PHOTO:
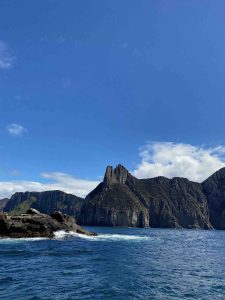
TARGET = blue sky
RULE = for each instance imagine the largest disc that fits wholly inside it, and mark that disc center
(84, 84)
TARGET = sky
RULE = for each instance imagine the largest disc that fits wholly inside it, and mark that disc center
(85, 84)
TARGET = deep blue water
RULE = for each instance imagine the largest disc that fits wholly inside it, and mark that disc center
(118, 264)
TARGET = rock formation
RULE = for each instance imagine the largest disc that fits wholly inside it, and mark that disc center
(112, 203)
(46, 202)
(36, 224)
(123, 200)
(214, 189)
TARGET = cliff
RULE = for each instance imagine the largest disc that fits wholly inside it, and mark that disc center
(123, 200)
(214, 189)
(46, 202)
(112, 203)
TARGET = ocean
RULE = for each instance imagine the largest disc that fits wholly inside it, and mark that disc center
(120, 263)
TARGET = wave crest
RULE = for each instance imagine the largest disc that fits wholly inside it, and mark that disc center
(101, 237)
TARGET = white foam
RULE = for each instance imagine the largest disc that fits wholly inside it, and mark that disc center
(13, 240)
(61, 234)
(101, 237)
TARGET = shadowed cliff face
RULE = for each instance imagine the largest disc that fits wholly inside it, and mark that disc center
(123, 200)
(214, 188)
(112, 203)
(46, 202)
(175, 202)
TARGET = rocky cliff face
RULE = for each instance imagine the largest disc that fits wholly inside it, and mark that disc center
(173, 203)
(214, 188)
(46, 202)
(112, 203)
(123, 200)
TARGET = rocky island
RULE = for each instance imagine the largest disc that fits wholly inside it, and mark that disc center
(36, 224)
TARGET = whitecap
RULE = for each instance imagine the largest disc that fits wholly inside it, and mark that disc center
(101, 237)
(16, 240)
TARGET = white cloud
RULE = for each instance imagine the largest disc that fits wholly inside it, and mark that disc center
(170, 159)
(6, 59)
(55, 181)
(157, 159)
(15, 129)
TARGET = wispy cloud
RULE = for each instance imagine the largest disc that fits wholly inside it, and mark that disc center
(16, 129)
(54, 181)
(177, 159)
(6, 58)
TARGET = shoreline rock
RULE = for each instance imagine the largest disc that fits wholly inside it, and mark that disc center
(36, 224)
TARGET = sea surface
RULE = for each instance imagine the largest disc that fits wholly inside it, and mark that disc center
(117, 264)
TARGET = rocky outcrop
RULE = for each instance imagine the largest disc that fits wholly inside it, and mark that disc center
(46, 202)
(36, 224)
(123, 200)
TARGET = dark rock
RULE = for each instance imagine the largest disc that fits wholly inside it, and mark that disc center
(3, 203)
(123, 200)
(37, 225)
(112, 203)
(214, 188)
(173, 203)
(46, 202)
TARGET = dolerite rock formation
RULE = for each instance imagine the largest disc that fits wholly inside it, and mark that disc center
(36, 224)
(123, 200)
(46, 202)
(173, 203)
(112, 203)
(214, 188)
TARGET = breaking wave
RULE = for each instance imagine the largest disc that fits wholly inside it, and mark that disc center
(101, 237)
(62, 235)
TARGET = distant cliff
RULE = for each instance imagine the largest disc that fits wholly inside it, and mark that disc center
(46, 202)
(123, 200)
